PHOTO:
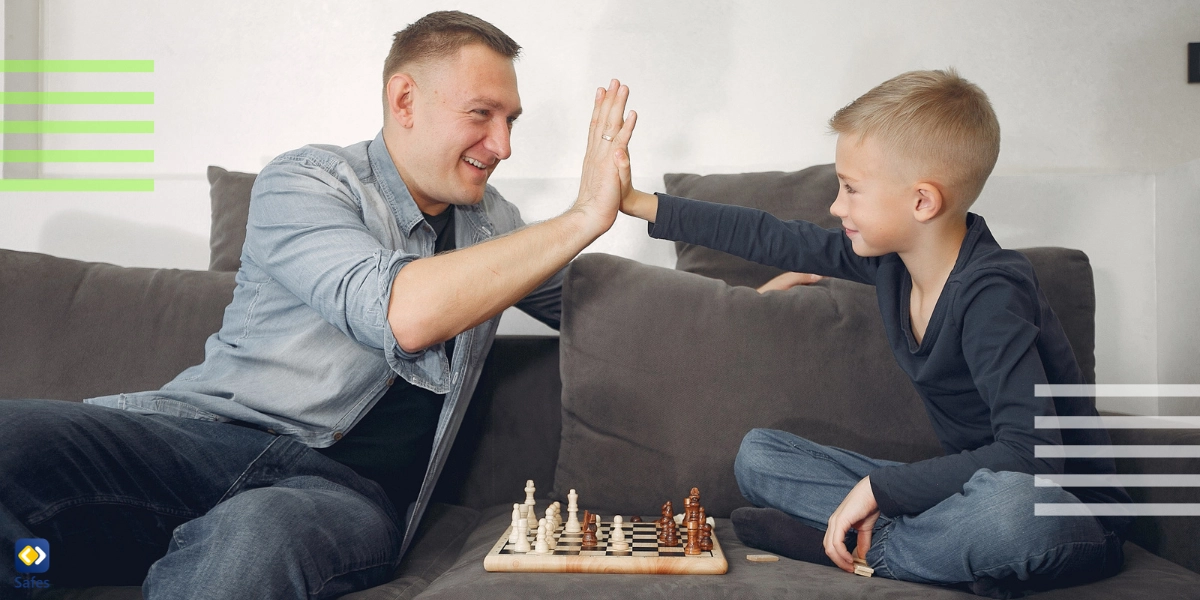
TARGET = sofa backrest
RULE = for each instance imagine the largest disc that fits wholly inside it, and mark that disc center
(664, 372)
(71, 330)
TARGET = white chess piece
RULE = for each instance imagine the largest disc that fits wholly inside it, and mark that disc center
(557, 515)
(542, 547)
(516, 516)
(617, 536)
(530, 502)
(522, 536)
(572, 513)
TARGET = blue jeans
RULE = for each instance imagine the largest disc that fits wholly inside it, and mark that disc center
(988, 530)
(187, 508)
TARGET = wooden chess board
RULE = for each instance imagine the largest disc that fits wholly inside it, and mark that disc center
(644, 555)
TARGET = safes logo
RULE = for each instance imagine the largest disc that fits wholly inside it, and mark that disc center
(32, 555)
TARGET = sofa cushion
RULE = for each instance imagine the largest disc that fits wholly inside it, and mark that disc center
(75, 330)
(665, 371)
(230, 194)
(1144, 576)
(804, 195)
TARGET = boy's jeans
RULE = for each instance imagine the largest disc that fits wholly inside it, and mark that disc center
(212, 510)
(989, 530)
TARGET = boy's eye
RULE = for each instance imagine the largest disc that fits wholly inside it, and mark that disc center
(849, 190)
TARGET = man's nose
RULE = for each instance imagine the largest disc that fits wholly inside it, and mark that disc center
(499, 140)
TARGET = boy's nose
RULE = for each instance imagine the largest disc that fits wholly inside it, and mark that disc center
(837, 209)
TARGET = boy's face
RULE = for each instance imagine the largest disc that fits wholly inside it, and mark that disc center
(875, 201)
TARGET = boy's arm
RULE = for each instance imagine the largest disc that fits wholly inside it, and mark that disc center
(751, 234)
(1000, 332)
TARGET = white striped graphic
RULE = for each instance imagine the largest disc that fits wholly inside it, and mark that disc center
(1118, 390)
(1124, 451)
(1116, 510)
(1115, 480)
(1110, 422)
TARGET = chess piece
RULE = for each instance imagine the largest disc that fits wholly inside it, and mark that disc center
(522, 536)
(693, 539)
(557, 515)
(516, 515)
(542, 547)
(706, 542)
(572, 513)
(589, 535)
(635, 519)
(530, 502)
(616, 539)
(669, 538)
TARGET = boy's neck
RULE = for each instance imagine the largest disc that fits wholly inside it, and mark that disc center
(931, 261)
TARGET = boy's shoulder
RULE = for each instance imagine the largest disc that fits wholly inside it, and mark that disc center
(996, 277)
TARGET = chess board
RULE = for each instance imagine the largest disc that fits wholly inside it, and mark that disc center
(644, 555)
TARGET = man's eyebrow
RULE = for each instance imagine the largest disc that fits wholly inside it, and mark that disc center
(494, 105)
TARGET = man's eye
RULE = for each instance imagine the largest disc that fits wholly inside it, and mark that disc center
(483, 112)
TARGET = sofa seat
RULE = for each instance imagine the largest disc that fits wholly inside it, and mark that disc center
(1144, 576)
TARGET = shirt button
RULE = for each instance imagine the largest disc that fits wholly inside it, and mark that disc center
(271, 431)
(390, 381)
(337, 436)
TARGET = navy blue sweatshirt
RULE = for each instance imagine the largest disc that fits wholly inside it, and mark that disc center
(992, 337)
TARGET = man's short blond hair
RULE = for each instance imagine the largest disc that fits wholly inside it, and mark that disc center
(937, 122)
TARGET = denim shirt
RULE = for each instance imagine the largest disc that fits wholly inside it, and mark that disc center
(305, 348)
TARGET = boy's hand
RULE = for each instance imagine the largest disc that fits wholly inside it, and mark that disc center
(785, 281)
(857, 511)
(633, 203)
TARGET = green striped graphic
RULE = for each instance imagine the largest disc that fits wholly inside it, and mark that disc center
(44, 156)
(76, 126)
(76, 66)
(76, 97)
(76, 185)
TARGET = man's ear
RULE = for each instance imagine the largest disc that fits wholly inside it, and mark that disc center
(929, 201)
(400, 91)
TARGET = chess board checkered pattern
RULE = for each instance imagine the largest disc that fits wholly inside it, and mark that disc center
(644, 555)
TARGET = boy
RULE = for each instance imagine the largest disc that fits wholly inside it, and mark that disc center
(966, 321)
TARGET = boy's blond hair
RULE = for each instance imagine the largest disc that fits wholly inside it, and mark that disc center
(938, 122)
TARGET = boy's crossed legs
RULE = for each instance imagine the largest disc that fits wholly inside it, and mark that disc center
(988, 531)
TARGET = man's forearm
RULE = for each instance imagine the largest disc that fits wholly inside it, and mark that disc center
(435, 298)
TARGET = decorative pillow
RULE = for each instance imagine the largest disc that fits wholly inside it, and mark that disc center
(230, 193)
(664, 372)
(802, 195)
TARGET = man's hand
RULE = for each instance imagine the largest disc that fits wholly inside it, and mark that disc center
(600, 186)
(857, 511)
(787, 281)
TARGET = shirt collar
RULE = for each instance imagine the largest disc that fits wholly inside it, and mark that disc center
(394, 190)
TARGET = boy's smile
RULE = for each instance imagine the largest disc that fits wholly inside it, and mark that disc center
(872, 200)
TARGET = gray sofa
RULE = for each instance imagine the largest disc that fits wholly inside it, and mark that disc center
(655, 378)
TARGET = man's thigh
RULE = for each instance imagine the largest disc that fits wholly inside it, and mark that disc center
(304, 537)
(990, 530)
(106, 487)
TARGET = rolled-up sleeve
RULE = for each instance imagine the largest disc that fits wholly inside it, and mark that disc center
(306, 231)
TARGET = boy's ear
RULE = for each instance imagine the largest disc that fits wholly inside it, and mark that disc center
(929, 201)
(400, 90)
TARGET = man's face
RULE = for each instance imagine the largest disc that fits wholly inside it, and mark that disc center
(874, 199)
(463, 113)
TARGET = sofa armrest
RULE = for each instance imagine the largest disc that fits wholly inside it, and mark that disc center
(1173, 538)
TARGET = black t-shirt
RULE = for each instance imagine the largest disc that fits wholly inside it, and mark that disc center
(392, 442)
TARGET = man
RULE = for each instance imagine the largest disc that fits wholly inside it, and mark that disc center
(298, 458)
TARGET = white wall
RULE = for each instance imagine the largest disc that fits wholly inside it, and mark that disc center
(1178, 193)
(1091, 95)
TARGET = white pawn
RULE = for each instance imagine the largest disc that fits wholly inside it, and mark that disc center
(557, 515)
(617, 537)
(530, 502)
(522, 536)
(542, 547)
(550, 527)
(572, 512)
(516, 516)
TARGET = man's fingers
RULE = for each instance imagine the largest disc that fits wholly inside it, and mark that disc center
(613, 120)
(626, 132)
(595, 116)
